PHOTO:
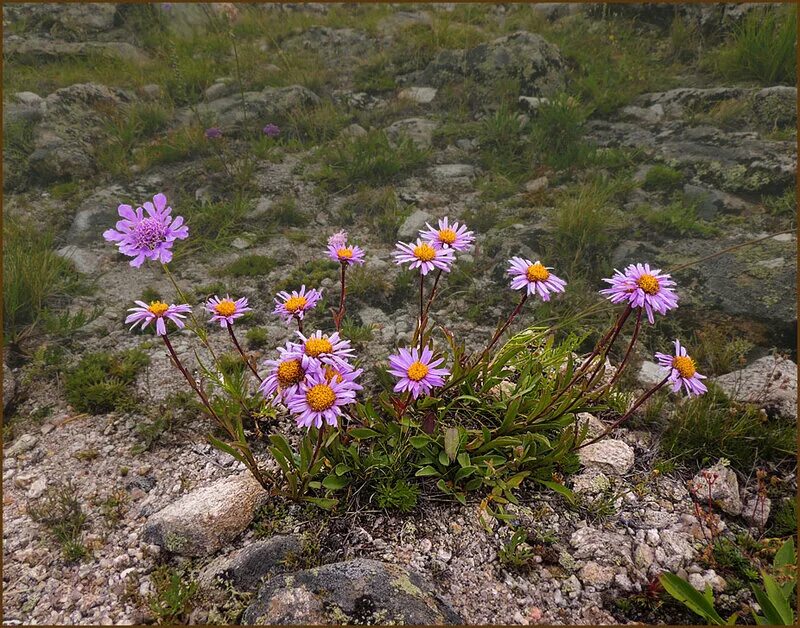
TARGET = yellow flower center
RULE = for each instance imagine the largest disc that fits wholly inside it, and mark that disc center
(684, 365)
(448, 236)
(417, 371)
(316, 346)
(345, 253)
(320, 397)
(424, 252)
(537, 272)
(290, 372)
(331, 373)
(648, 283)
(158, 308)
(295, 303)
(225, 308)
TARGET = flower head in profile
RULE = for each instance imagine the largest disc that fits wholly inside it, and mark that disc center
(320, 348)
(226, 310)
(159, 312)
(534, 277)
(294, 305)
(448, 236)
(284, 375)
(348, 254)
(320, 399)
(272, 130)
(213, 133)
(682, 371)
(147, 236)
(641, 286)
(416, 371)
(424, 256)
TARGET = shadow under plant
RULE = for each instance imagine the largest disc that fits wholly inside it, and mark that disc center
(589, 137)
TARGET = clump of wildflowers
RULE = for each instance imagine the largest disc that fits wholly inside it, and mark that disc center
(147, 237)
(642, 287)
(159, 312)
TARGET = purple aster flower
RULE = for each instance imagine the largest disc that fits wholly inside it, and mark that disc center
(346, 254)
(417, 373)
(149, 237)
(682, 371)
(213, 133)
(319, 348)
(296, 304)
(642, 287)
(424, 256)
(272, 130)
(226, 310)
(284, 374)
(338, 239)
(157, 311)
(320, 399)
(448, 235)
(534, 277)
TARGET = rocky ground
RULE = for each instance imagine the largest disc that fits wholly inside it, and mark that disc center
(174, 530)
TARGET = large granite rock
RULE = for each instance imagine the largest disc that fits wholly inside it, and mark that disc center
(358, 591)
(524, 56)
(770, 383)
(244, 569)
(205, 520)
(73, 21)
(37, 49)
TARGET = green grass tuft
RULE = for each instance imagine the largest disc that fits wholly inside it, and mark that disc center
(104, 382)
(662, 178)
(251, 266)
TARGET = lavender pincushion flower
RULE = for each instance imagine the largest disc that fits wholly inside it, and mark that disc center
(272, 130)
(644, 287)
(295, 305)
(338, 239)
(416, 372)
(346, 254)
(226, 310)
(213, 133)
(448, 236)
(534, 277)
(147, 237)
(157, 311)
(424, 256)
(320, 400)
(683, 371)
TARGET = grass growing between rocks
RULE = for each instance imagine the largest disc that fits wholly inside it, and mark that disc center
(104, 382)
(60, 511)
(710, 427)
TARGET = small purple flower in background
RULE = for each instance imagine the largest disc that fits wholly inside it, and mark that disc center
(338, 239)
(417, 373)
(319, 348)
(424, 256)
(272, 130)
(284, 374)
(295, 305)
(534, 277)
(683, 371)
(157, 311)
(346, 254)
(448, 235)
(213, 133)
(319, 399)
(226, 310)
(149, 237)
(642, 287)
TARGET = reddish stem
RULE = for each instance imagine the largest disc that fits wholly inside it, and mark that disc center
(243, 354)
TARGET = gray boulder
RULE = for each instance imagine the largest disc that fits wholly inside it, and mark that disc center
(524, 56)
(775, 106)
(719, 483)
(418, 130)
(610, 455)
(67, 21)
(411, 226)
(205, 520)
(247, 567)
(35, 49)
(770, 383)
(358, 591)
(71, 129)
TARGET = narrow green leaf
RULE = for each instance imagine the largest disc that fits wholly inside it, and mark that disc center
(322, 502)
(780, 603)
(426, 472)
(694, 600)
(335, 482)
(451, 440)
(362, 433)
